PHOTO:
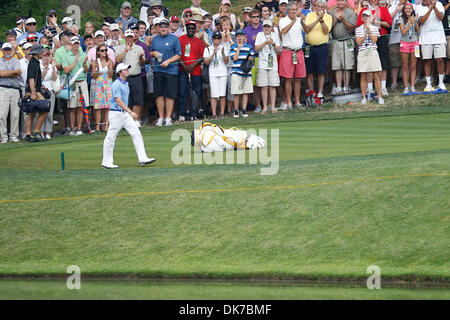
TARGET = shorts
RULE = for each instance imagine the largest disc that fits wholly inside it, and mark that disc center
(338, 60)
(218, 86)
(268, 77)
(290, 70)
(394, 55)
(165, 85)
(137, 92)
(254, 71)
(408, 47)
(241, 85)
(318, 59)
(75, 99)
(383, 52)
(448, 47)
(368, 61)
(436, 51)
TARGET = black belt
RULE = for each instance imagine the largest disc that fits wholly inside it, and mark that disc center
(134, 76)
(117, 110)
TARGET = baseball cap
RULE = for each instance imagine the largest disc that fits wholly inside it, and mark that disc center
(11, 32)
(132, 26)
(114, 26)
(217, 21)
(126, 4)
(155, 3)
(174, 18)
(74, 40)
(367, 13)
(27, 45)
(157, 20)
(164, 21)
(30, 20)
(128, 33)
(122, 66)
(31, 36)
(66, 20)
(99, 33)
(6, 45)
(248, 9)
(191, 22)
(106, 24)
(267, 23)
(226, 2)
(239, 31)
(50, 12)
(22, 42)
(216, 33)
(283, 1)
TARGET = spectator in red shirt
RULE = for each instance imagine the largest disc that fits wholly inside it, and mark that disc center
(192, 49)
(383, 20)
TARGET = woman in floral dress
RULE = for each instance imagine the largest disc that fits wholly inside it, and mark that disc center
(102, 73)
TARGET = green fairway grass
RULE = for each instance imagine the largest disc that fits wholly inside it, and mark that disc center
(41, 289)
(349, 193)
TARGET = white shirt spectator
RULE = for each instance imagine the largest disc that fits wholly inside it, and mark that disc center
(46, 82)
(263, 57)
(24, 68)
(220, 69)
(293, 39)
(432, 31)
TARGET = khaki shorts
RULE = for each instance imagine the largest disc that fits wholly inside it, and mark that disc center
(436, 51)
(75, 100)
(368, 61)
(338, 60)
(268, 77)
(394, 55)
(241, 85)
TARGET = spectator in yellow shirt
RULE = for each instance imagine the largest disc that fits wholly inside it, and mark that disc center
(317, 26)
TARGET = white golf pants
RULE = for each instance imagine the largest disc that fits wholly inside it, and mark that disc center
(117, 121)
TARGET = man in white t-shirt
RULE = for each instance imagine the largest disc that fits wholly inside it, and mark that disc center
(292, 60)
(432, 39)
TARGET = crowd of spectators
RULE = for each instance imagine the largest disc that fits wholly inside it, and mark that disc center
(186, 65)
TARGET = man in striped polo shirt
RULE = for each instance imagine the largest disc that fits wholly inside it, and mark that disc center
(241, 82)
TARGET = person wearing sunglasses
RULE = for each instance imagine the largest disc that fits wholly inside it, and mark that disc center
(251, 31)
(51, 28)
(30, 26)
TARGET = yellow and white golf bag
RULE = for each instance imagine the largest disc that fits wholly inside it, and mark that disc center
(212, 138)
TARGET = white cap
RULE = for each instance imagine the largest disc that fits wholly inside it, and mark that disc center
(122, 66)
(23, 41)
(66, 19)
(74, 39)
(267, 23)
(27, 46)
(283, 1)
(366, 13)
(99, 33)
(114, 26)
(30, 20)
(128, 32)
(157, 20)
(6, 45)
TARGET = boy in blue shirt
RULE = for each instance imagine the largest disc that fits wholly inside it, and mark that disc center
(241, 82)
